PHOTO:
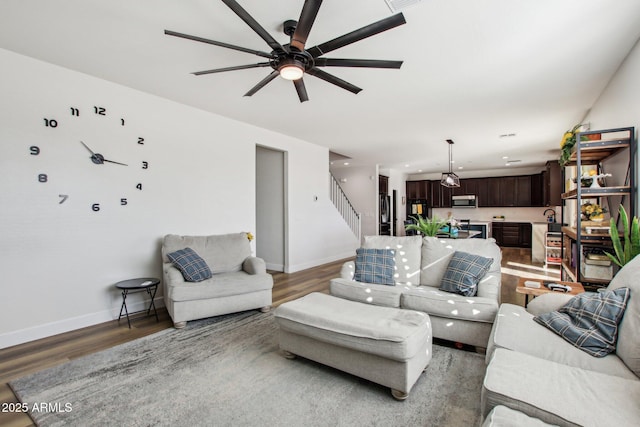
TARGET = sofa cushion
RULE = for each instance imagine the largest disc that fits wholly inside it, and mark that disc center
(559, 394)
(190, 264)
(388, 296)
(628, 348)
(224, 253)
(514, 329)
(463, 273)
(407, 256)
(375, 266)
(220, 285)
(437, 252)
(589, 321)
(501, 416)
(447, 305)
(389, 332)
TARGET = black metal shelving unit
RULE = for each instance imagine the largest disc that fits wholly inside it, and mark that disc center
(595, 150)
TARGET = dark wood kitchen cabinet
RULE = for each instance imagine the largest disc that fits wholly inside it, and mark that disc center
(552, 185)
(417, 189)
(512, 234)
(440, 196)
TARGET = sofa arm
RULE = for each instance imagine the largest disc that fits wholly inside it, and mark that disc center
(172, 276)
(546, 303)
(348, 270)
(489, 286)
(254, 265)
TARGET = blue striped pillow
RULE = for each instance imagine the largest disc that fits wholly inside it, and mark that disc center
(589, 321)
(464, 272)
(190, 264)
(375, 266)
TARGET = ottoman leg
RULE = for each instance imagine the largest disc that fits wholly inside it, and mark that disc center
(399, 395)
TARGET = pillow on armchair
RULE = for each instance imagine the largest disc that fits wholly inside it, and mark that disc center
(190, 264)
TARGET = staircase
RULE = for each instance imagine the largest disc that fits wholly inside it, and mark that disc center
(344, 206)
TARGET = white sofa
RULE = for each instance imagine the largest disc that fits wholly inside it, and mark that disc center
(239, 282)
(420, 265)
(533, 370)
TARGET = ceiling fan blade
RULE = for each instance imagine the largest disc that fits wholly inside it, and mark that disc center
(334, 80)
(357, 35)
(366, 63)
(301, 89)
(248, 19)
(263, 83)
(216, 43)
(305, 22)
(237, 67)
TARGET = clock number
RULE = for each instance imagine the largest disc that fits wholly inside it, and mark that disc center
(95, 207)
(51, 123)
(123, 202)
(75, 111)
(63, 198)
(139, 186)
(122, 122)
(43, 177)
(35, 150)
(140, 141)
(101, 111)
(145, 165)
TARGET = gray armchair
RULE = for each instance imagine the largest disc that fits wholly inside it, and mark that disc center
(239, 281)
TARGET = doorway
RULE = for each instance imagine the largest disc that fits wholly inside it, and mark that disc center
(271, 207)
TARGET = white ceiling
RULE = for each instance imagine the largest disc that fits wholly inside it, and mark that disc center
(473, 69)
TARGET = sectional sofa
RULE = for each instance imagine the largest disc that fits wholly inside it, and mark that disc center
(420, 265)
(535, 371)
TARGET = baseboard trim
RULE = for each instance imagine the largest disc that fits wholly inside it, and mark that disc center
(21, 336)
(311, 264)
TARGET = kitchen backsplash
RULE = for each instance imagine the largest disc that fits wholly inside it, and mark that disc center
(487, 214)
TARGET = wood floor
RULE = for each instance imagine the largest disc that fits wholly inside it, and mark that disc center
(27, 358)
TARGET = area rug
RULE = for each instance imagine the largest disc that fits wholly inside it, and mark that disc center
(228, 371)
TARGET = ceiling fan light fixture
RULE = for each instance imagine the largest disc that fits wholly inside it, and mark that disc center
(291, 69)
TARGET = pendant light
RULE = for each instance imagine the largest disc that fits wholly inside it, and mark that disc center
(450, 179)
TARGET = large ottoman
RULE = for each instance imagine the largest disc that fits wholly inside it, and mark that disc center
(385, 345)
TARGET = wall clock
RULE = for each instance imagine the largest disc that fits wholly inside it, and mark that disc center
(89, 158)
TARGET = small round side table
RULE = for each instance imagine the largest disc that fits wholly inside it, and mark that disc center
(148, 284)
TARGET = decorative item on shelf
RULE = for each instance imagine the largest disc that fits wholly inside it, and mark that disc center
(567, 143)
(593, 212)
(427, 226)
(249, 236)
(596, 179)
(631, 248)
(450, 179)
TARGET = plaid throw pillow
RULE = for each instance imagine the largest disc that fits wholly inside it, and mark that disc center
(375, 266)
(464, 272)
(589, 321)
(190, 264)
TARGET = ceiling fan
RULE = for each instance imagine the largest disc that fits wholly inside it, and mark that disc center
(292, 60)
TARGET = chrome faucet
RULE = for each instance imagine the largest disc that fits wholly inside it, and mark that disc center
(552, 216)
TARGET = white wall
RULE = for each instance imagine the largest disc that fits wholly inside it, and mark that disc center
(270, 207)
(360, 184)
(619, 104)
(60, 261)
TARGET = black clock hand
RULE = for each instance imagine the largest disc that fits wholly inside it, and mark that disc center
(98, 158)
(111, 161)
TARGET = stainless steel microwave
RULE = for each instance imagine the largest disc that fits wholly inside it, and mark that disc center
(468, 201)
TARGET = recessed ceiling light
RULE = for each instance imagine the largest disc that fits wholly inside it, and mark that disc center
(460, 167)
(419, 170)
(505, 157)
(346, 163)
(406, 166)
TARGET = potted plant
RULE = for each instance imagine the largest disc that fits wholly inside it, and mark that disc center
(631, 248)
(567, 143)
(426, 226)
